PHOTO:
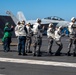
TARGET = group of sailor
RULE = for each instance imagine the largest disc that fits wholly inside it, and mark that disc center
(27, 35)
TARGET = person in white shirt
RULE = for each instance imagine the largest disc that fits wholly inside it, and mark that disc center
(29, 38)
(37, 38)
(58, 36)
(21, 32)
(51, 36)
(72, 36)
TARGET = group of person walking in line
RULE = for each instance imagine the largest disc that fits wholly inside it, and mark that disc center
(27, 35)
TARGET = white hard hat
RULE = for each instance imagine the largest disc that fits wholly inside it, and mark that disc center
(50, 24)
(73, 18)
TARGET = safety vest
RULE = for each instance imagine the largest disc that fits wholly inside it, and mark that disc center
(6, 34)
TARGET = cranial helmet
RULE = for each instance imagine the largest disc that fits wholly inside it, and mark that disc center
(7, 23)
(38, 20)
(50, 25)
(61, 27)
(73, 18)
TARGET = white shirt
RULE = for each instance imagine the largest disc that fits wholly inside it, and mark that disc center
(50, 33)
(57, 35)
(19, 30)
(70, 28)
(36, 30)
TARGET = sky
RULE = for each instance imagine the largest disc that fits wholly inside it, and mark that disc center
(34, 9)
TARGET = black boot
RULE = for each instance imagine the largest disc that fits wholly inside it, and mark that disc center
(68, 54)
(74, 54)
(34, 54)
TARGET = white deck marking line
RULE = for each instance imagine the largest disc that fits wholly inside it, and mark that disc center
(38, 62)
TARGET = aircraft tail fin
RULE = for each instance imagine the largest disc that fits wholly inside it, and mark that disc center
(21, 16)
(12, 16)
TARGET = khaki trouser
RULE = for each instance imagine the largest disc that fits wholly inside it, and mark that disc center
(37, 43)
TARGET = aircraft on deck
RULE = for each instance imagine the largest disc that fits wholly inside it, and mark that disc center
(57, 21)
(45, 21)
